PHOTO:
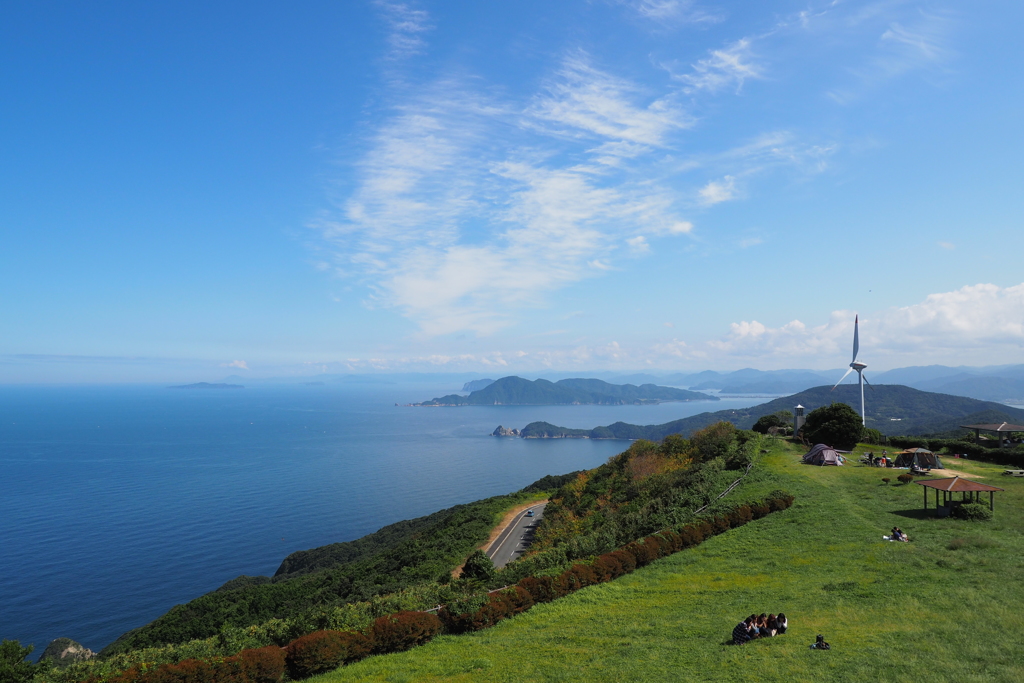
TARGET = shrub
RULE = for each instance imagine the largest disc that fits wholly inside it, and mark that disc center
(539, 587)
(719, 524)
(518, 599)
(905, 478)
(626, 560)
(760, 510)
(606, 568)
(262, 665)
(740, 516)
(578, 576)
(975, 512)
(478, 566)
(494, 610)
(692, 534)
(403, 630)
(657, 547)
(779, 499)
(323, 651)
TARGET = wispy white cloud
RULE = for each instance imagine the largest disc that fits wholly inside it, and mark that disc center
(240, 364)
(947, 245)
(462, 215)
(639, 244)
(718, 191)
(406, 26)
(673, 12)
(727, 67)
(583, 100)
(917, 42)
(750, 242)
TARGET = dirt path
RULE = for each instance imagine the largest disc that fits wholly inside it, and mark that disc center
(496, 531)
(947, 473)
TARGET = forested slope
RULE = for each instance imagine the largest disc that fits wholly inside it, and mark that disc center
(891, 409)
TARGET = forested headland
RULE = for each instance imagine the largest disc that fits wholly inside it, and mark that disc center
(512, 391)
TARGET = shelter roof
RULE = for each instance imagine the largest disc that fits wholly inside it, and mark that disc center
(916, 450)
(1004, 427)
(956, 484)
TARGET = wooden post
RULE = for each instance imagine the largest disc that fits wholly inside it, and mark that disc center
(991, 500)
(925, 489)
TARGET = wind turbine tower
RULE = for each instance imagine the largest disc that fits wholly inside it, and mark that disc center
(859, 367)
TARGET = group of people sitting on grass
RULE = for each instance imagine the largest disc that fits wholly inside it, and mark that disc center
(896, 535)
(764, 626)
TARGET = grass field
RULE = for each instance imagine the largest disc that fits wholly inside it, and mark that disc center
(945, 607)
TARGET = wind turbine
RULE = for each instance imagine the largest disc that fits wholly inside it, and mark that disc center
(859, 367)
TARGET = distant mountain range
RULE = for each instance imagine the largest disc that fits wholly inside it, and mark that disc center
(1003, 383)
(891, 409)
(992, 383)
(519, 391)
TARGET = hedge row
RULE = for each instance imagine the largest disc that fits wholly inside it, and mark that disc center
(1013, 457)
(508, 602)
(322, 651)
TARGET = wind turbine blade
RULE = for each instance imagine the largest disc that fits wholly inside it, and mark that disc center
(842, 378)
(856, 337)
(867, 382)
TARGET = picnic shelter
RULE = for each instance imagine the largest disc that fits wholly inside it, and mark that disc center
(970, 491)
(1001, 429)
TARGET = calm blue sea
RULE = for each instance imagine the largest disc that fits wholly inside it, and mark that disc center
(117, 503)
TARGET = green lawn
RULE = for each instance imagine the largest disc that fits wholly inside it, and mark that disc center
(942, 608)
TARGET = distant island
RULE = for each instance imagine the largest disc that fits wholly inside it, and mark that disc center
(477, 384)
(208, 385)
(516, 391)
(891, 409)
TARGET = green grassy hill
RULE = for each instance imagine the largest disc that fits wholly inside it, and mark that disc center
(942, 608)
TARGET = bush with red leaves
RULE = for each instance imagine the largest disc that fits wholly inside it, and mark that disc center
(323, 651)
(403, 630)
(540, 588)
(578, 576)
(518, 598)
(607, 567)
(261, 665)
(625, 559)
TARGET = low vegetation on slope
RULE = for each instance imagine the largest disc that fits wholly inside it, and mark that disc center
(309, 582)
(941, 607)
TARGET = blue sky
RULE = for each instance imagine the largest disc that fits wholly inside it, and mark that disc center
(190, 190)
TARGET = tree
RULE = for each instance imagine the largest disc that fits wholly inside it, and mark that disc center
(837, 425)
(781, 420)
(478, 566)
(714, 441)
(14, 667)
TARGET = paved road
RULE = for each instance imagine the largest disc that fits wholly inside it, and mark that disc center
(516, 537)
